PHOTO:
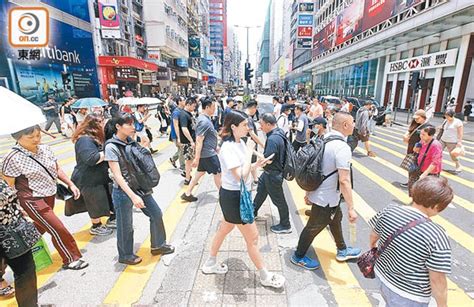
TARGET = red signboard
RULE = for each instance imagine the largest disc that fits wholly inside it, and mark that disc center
(358, 17)
(305, 31)
(125, 61)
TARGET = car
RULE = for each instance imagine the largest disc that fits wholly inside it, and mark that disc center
(357, 103)
(332, 102)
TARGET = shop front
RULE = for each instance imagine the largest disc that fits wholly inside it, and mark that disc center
(119, 74)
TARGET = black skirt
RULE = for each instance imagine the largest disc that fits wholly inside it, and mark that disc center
(230, 206)
(98, 200)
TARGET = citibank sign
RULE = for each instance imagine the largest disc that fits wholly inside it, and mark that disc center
(429, 61)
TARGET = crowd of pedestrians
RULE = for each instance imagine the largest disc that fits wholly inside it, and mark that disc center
(225, 142)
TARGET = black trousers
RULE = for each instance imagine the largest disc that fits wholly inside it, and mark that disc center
(23, 268)
(50, 121)
(272, 184)
(297, 145)
(319, 219)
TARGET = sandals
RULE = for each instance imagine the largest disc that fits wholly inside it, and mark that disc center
(371, 154)
(7, 292)
(76, 265)
(215, 269)
(275, 281)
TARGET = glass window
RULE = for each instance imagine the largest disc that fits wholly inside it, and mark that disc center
(418, 51)
(435, 47)
(454, 43)
(404, 55)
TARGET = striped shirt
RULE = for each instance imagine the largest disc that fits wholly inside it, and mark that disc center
(403, 266)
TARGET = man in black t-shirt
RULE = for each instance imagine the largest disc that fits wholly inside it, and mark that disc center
(251, 110)
(51, 110)
(187, 135)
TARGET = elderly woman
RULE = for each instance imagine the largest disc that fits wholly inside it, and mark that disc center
(451, 138)
(32, 168)
(413, 266)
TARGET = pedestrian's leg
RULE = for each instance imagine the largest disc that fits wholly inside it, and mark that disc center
(261, 193)
(124, 219)
(41, 212)
(188, 169)
(57, 123)
(217, 181)
(194, 182)
(23, 268)
(336, 229)
(319, 219)
(224, 229)
(49, 123)
(157, 227)
(181, 158)
(250, 234)
(175, 157)
(275, 190)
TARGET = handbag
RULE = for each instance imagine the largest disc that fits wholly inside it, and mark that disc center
(62, 192)
(441, 131)
(246, 205)
(74, 206)
(18, 237)
(408, 160)
(367, 260)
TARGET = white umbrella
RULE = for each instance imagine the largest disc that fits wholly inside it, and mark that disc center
(149, 100)
(128, 101)
(17, 113)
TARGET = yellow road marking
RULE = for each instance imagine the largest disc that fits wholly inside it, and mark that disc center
(404, 148)
(344, 285)
(456, 296)
(458, 179)
(453, 231)
(400, 138)
(457, 200)
(136, 277)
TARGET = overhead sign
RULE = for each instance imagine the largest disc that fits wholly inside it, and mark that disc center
(304, 43)
(306, 7)
(194, 45)
(429, 61)
(305, 31)
(108, 14)
(305, 20)
(28, 27)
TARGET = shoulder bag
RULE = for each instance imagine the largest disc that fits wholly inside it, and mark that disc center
(18, 237)
(246, 205)
(441, 131)
(414, 171)
(63, 192)
(367, 260)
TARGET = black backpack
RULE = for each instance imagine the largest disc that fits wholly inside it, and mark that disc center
(289, 165)
(143, 174)
(309, 173)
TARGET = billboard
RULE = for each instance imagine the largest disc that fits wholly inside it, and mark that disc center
(427, 61)
(356, 18)
(305, 20)
(306, 7)
(305, 31)
(194, 45)
(65, 67)
(108, 14)
(76, 8)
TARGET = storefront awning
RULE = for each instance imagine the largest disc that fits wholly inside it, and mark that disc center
(126, 61)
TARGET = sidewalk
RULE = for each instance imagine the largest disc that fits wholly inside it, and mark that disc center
(400, 118)
(185, 285)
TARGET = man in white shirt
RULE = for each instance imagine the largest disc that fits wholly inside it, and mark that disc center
(282, 121)
(276, 106)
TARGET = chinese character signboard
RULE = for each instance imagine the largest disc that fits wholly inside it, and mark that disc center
(305, 20)
(28, 27)
(429, 61)
(304, 33)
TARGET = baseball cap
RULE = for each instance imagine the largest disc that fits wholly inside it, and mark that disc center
(229, 99)
(285, 107)
(419, 113)
(320, 121)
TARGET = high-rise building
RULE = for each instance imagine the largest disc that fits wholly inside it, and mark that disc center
(218, 29)
(263, 61)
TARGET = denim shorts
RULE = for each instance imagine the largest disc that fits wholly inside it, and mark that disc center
(393, 299)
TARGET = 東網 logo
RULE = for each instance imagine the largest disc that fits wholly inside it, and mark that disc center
(28, 27)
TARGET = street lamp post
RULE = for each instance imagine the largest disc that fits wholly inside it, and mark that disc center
(247, 61)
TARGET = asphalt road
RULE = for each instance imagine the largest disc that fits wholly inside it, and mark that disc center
(176, 280)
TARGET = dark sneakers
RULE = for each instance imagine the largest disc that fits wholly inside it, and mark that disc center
(189, 198)
(280, 229)
(163, 250)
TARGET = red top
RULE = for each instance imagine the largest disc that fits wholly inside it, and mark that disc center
(434, 155)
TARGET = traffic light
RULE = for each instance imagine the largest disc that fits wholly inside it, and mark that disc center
(248, 73)
(415, 80)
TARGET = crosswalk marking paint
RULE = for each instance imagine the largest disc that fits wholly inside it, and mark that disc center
(458, 200)
(453, 231)
(347, 290)
(458, 179)
(456, 296)
(404, 148)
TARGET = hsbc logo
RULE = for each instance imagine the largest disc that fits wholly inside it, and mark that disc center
(28, 27)
(413, 64)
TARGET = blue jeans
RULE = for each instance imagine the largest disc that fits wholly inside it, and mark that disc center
(392, 299)
(123, 209)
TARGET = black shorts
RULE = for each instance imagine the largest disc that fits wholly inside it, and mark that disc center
(209, 165)
(230, 205)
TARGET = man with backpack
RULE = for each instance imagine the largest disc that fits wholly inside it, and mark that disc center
(271, 180)
(362, 129)
(325, 200)
(282, 120)
(187, 136)
(301, 127)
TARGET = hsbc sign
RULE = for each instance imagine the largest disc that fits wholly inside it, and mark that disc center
(429, 61)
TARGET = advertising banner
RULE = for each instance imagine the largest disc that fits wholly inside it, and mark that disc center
(358, 17)
(76, 8)
(126, 74)
(306, 7)
(305, 20)
(210, 65)
(194, 44)
(428, 61)
(63, 68)
(304, 43)
(305, 32)
(108, 14)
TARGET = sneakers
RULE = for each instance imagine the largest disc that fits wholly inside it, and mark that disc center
(276, 281)
(305, 262)
(102, 230)
(183, 174)
(163, 250)
(404, 185)
(348, 253)
(215, 269)
(173, 163)
(111, 223)
(458, 168)
(189, 198)
(280, 229)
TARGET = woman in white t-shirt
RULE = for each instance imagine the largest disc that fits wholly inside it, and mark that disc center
(235, 157)
(451, 138)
